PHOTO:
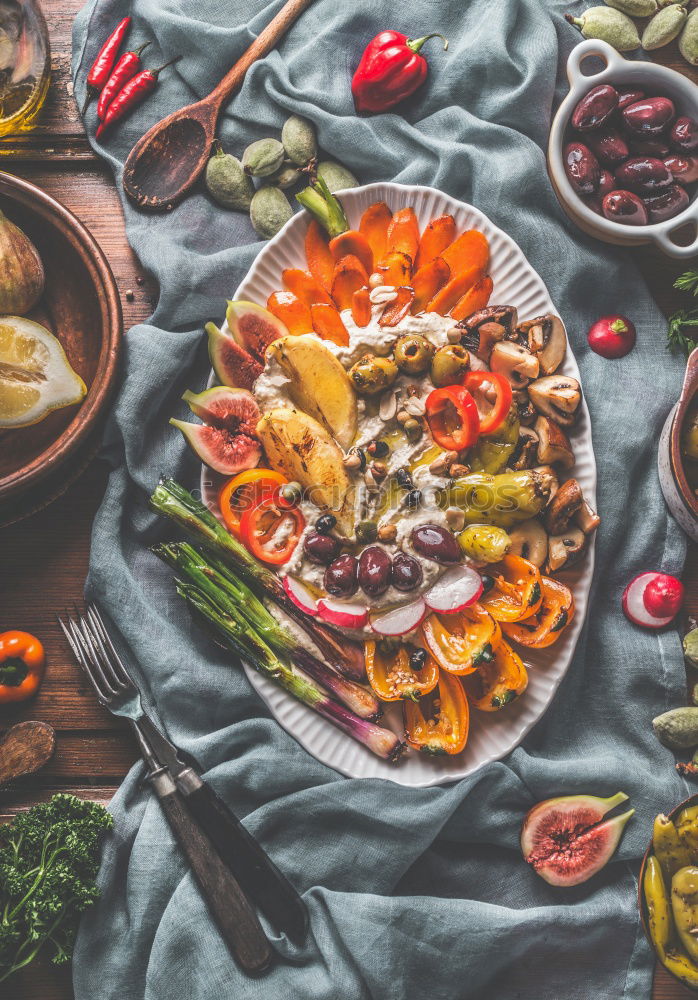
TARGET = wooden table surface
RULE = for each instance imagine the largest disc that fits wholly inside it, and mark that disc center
(44, 558)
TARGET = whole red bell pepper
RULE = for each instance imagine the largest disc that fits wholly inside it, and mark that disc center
(391, 69)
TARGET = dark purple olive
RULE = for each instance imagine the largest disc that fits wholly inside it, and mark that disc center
(624, 207)
(437, 543)
(321, 549)
(375, 570)
(644, 175)
(340, 576)
(667, 204)
(407, 573)
(650, 116)
(582, 168)
(684, 133)
(609, 146)
(648, 147)
(607, 182)
(626, 97)
(683, 168)
(595, 108)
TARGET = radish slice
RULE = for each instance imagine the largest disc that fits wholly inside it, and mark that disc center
(343, 614)
(300, 595)
(399, 620)
(455, 590)
(634, 603)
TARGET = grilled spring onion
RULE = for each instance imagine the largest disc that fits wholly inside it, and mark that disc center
(172, 500)
(229, 592)
(232, 628)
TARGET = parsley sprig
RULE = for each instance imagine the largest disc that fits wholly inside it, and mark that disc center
(682, 332)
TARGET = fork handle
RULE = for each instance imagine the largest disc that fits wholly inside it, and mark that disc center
(230, 908)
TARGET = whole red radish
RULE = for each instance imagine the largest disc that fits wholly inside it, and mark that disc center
(612, 336)
(664, 596)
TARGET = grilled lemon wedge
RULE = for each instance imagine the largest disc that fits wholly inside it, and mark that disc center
(35, 374)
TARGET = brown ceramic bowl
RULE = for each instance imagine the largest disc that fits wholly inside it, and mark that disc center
(81, 307)
(673, 473)
(691, 801)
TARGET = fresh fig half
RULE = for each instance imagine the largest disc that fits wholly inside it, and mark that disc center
(233, 365)
(254, 327)
(231, 409)
(565, 841)
(225, 441)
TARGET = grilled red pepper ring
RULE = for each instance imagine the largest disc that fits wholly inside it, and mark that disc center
(104, 63)
(391, 69)
(270, 531)
(442, 729)
(452, 417)
(243, 491)
(480, 385)
(21, 666)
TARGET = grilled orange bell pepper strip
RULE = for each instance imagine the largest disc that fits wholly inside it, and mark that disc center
(427, 281)
(374, 225)
(437, 235)
(328, 324)
(304, 286)
(403, 233)
(547, 625)
(318, 255)
(398, 308)
(352, 243)
(22, 662)
(395, 269)
(391, 676)
(517, 591)
(293, 313)
(475, 298)
(349, 276)
(461, 641)
(361, 307)
(499, 682)
(442, 728)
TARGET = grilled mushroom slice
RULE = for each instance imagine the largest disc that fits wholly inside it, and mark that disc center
(587, 519)
(530, 541)
(487, 327)
(525, 454)
(547, 339)
(565, 504)
(565, 549)
(554, 447)
(525, 409)
(557, 397)
(515, 362)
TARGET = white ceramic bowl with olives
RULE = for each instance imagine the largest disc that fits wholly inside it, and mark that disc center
(621, 186)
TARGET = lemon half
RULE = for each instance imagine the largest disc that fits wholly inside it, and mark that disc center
(35, 374)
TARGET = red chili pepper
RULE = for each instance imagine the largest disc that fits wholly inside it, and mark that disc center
(391, 69)
(104, 63)
(128, 65)
(132, 94)
(452, 417)
(495, 414)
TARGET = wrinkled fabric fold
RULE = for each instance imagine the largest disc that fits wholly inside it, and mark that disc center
(411, 892)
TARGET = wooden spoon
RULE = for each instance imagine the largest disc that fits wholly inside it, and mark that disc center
(25, 748)
(168, 159)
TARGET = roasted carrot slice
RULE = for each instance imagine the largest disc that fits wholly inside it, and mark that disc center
(291, 311)
(446, 298)
(374, 226)
(427, 281)
(475, 298)
(304, 287)
(403, 233)
(438, 235)
(470, 250)
(398, 308)
(354, 243)
(361, 307)
(396, 269)
(319, 255)
(349, 276)
(327, 324)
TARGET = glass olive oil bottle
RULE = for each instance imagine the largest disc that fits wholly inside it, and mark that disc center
(25, 65)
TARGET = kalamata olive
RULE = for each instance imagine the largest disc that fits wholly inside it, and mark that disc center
(684, 169)
(582, 168)
(609, 146)
(650, 116)
(375, 571)
(648, 147)
(321, 549)
(607, 182)
(595, 108)
(684, 133)
(407, 573)
(437, 543)
(667, 203)
(340, 576)
(626, 97)
(644, 176)
(624, 207)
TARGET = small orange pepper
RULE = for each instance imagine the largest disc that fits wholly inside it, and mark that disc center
(22, 663)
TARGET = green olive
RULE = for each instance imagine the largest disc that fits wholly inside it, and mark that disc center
(449, 365)
(366, 531)
(413, 353)
(484, 542)
(371, 374)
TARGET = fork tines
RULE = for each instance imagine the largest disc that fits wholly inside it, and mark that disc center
(95, 652)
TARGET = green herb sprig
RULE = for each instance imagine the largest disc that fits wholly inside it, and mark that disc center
(682, 332)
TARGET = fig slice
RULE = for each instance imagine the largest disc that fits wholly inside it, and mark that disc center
(233, 365)
(254, 327)
(231, 409)
(225, 441)
(566, 840)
